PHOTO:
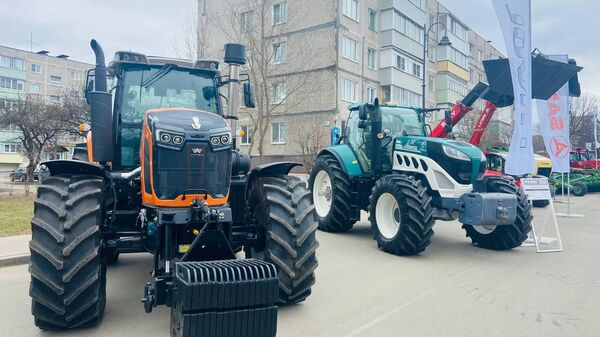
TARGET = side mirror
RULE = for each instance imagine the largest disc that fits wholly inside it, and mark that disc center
(362, 112)
(448, 120)
(249, 98)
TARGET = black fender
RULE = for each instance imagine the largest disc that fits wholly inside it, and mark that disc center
(67, 166)
(269, 170)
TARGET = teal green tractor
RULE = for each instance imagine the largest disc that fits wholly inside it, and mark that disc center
(385, 164)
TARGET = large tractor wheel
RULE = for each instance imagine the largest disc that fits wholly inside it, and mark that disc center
(68, 277)
(401, 215)
(330, 188)
(505, 236)
(281, 206)
(579, 189)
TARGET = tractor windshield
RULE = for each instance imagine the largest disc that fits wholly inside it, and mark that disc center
(401, 121)
(144, 88)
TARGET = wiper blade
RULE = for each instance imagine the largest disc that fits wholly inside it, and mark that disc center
(160, 74)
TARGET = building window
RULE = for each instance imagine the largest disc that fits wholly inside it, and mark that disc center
(419, 3)
(458, 29)
(74, 94)
(75, 75)
(280, 52)
(278, 133)
(401, 62)
(349, 91)
(479, 54)
(12, 62)
(36, 68)
(54, 98)
(408, 27)
(471, 76)
(55, 79)
(11, 83)
(350, 49)
(431, 53)
(416, 69)
(372, 20)
(405, 97)
(371, 58)
(34, 88)
(431, 83)
(279, 92)
(350, 9)
(452, 54)
(457, 87)
(279, 13)
(247, 20)
(431, 20)
(370, 95)
(471, 49)
(12, 148)
(247, 137)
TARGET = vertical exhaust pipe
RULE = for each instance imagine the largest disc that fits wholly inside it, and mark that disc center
(235, 56)
(101, 111)
(100, 71)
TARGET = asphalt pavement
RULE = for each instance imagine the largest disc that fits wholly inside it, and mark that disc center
(452, 289)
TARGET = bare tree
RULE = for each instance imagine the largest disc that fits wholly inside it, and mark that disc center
(191, 44)
(311, 135)
(581, 117)
(277, 93)
(40, 123)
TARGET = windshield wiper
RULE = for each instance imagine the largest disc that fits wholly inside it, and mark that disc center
(159, 74)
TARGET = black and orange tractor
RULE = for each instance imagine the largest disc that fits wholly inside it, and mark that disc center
(160, 173)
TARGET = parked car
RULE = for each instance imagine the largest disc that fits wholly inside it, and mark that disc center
(20, 174)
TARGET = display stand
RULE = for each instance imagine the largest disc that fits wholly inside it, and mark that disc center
(546, 236)
(568, 214)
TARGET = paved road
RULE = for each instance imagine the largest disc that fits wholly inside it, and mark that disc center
(453, 289)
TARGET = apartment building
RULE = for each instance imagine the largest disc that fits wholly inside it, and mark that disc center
(352, 51)
(23, 73)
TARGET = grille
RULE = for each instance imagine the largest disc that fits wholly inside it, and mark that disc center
(193, 169)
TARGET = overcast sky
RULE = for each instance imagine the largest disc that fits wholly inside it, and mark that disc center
(150, 26)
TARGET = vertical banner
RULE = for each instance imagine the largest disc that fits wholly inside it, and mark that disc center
(554, 120)
(596, 142)
(515, 21)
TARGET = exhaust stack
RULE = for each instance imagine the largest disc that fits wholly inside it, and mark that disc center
(235, 56)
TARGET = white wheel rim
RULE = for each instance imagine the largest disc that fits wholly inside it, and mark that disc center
(387, 215)
(322, 193)
(485, 230)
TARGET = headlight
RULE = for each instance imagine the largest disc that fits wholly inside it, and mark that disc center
(177, 140)
(169, 138)
(222, 139)
(164, 137)
(454, 153)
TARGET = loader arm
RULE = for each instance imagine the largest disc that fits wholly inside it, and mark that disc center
(482, 123)
(460, 109)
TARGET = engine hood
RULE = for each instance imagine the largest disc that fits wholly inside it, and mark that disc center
(186, 120)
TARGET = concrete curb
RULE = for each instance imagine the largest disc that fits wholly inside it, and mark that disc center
(14, 260)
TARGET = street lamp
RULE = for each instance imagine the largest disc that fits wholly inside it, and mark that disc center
(445, 41)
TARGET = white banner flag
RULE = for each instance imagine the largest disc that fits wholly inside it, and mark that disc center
(596, 131)
(554, 120)
(515, 21)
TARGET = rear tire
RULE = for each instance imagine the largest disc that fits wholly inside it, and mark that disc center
(336, 216)
(579, 189)
(401, 215)
(282, 208)
(505, 236)
(68, 277)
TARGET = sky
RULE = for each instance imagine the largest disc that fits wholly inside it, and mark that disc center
(152, 26)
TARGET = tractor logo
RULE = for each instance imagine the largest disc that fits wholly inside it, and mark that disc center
(197, 150)
(196, 123)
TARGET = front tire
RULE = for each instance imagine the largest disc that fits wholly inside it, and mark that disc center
(330, 194)
(401, 215)
(503, 237)
(68, 277)
(282, 209)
